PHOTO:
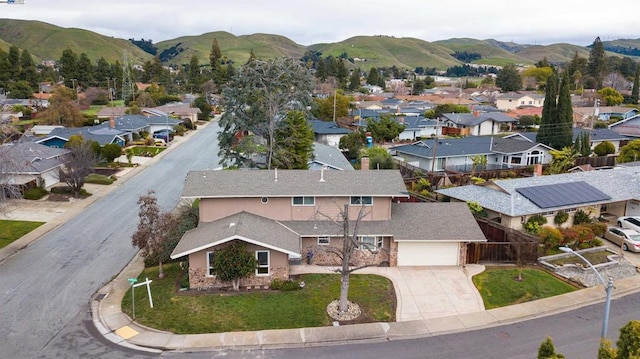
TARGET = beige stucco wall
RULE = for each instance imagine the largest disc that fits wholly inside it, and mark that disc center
(281, 208)
(198, 278)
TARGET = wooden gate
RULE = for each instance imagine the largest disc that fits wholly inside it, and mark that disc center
(504, 245)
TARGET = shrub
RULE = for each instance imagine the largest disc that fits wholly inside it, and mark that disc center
(550, 237)
(98, 179)
(597, 228)
(534, 223)
(180, 130)
(111, 151)
(476, 209)
(35, 193)
(580, 217)
(285, 285)
(604, 148)
(560, 218)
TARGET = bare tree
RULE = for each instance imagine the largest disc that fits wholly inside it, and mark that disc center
(617, 81)
(153, 231)
(8, 168)
(350, 242)
(82, 159)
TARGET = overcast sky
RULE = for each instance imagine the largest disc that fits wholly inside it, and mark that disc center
(309, 22)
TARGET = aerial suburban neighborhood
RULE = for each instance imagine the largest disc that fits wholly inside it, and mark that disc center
(212, 200)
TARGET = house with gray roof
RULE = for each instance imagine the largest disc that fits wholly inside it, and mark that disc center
(418, 127)
(102, 134)
(32, 164)
(478, 123)
(328, 157)
(285, 215)
(457, 154)
(328, 132)
(629, 126)
(512, 202)
(596, 136)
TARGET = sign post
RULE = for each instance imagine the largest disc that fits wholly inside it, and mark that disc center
(133, 293)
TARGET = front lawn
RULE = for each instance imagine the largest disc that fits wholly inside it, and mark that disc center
(593, 257)
(12, 230)
(146, 151)
(194, 313)
(499, 286)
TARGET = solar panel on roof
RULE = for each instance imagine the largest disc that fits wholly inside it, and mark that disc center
(562, 194)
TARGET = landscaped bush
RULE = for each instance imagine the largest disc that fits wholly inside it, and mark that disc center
(597, 228)
(604, 148)
(111, 151)
(35, 193)
(580, 217)
(285, 285)
(560, 218)
(533, 224)
(68, 191)
(476, 209)
(98, 179)
(550, 237)
(180, 130)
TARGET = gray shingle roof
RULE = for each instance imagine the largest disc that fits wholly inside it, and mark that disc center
(465, 146)
(327, 128)
(409, 222)
(330, 156)
(502, 197)
(245, 226)
(286, 183)
(469, 119)
(34, 158)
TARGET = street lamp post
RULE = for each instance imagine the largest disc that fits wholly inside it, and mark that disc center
(608, 286)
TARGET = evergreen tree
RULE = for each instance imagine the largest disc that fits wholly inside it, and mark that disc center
(342, 73)
(577, 69)
(294, 142)
(85, 70)
(28, 71)
(372, 78)
(194, 73)
(509, 79)
(354, 80)
(597, 64)
(102, 73)
(218, 74)
(68, 66)
(14, 63)
(321, 70)
(547, 128)
(564, 132)
(636, 85)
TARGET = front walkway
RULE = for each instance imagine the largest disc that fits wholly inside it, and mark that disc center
(423, 292)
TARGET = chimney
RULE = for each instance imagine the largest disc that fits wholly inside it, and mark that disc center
(364, 163)
(476, 113)
(112, 122)
(537, 170)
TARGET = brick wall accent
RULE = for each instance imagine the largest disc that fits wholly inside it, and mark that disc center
(199, 280)
(323, 256)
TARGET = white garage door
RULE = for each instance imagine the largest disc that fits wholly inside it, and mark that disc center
(428, 254)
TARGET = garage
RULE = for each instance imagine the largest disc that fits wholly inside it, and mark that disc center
(428, 254)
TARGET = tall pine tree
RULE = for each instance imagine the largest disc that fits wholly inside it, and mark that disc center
(565, 115)
(547, 127)
(597, 62)
(636, 84)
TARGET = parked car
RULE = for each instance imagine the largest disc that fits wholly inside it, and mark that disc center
(630, 222)
(165, 135)
(628, 239)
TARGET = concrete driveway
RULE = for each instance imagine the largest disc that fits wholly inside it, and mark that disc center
(424, 292)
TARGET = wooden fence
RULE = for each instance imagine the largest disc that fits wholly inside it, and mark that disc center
(504, 245)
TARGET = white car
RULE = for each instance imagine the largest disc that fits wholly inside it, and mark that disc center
(630, 222)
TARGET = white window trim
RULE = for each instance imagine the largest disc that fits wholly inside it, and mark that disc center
(209, 264)
(378, 243)
(324, 241)
(268, 265)
(303, 200)
(360, 204)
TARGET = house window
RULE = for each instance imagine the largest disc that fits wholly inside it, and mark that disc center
(516, 160)
(361, 200)
(324, 241)
(263, 263)
(303, 201)
(371, 243)
(570, 210)
(210, 257)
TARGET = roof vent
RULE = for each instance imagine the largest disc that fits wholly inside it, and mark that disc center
(232, 224)
(322, 174)
(276, 175)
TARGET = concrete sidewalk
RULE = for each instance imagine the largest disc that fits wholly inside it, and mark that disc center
(119, 328)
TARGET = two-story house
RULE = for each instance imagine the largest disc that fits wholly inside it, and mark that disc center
(286, 215)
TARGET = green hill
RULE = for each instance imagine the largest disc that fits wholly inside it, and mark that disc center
(491, 52)
(46, 41)
(377, 51)
(236, 48)
(628, 47)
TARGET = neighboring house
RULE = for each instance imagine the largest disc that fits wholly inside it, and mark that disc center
(477, 123)
(457, 153)
(140, 123)
(103, 134)
(43, 130)
(629, 126)
(597, 136)
(419, 127)
(108, 112)
(514, 100)
(36, 165)
(284, 215)
(328, 157)
(181, 110)
(608, 193)
(328, 132)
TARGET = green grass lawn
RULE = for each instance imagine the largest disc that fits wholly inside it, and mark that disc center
(143, 150)
(499, 286)
(195, 313)
(12, 230)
